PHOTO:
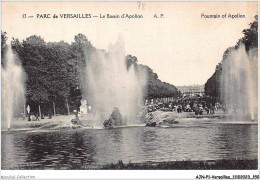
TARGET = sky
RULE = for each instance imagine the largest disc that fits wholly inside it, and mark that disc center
(183, 48)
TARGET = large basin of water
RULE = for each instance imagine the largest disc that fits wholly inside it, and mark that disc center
(191, 139)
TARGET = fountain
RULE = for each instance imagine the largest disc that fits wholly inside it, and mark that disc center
(12, 88)
(239, 80)
(111, 84)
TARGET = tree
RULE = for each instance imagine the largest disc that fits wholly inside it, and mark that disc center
(82, 49)
(250, 38)
(3, 46)
(155, 88)
(130, 60)
(56, 73)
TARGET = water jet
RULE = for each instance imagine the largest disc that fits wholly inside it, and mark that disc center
(12, 88)
(111, 83)
(239, 82)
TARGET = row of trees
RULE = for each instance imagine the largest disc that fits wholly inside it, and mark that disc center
(250, 39)
(3, 46)
(55, 73)
(155, 88)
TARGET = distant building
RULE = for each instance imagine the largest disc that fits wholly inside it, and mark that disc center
(192, 89)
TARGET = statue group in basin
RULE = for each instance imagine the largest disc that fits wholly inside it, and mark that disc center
(150, 119)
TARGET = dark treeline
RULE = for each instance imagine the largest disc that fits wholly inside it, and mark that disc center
(56, 73)
(3, 46)
(250, 39)
(155, 88)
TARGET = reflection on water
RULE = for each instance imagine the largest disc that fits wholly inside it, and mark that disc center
(83, 148)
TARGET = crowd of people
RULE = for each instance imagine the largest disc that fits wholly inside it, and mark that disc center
(33, 117)
(197, 106)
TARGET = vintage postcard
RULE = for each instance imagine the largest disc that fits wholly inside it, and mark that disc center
(138, 85)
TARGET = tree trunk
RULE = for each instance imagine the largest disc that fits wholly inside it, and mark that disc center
(54, 111)
(68, 106)
(40, 113)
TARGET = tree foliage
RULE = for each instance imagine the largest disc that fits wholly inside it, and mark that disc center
(250, 38)
(52, 71)
(155, 88)
(3, 45)
(56, 73)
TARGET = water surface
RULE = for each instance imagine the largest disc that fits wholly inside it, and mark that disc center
(82, 148)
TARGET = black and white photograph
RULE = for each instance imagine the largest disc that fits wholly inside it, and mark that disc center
(135, 85)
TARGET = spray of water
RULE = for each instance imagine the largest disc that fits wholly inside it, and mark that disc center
(111, 84)
(239, 80)
(12, 88)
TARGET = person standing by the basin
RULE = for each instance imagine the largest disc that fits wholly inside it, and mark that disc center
(28, 112)
(49, 115)
(207, 109)
(23, 115)
(37, 117)
(235, 108)
(224, 108)
(32, 117)
(212, 108)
